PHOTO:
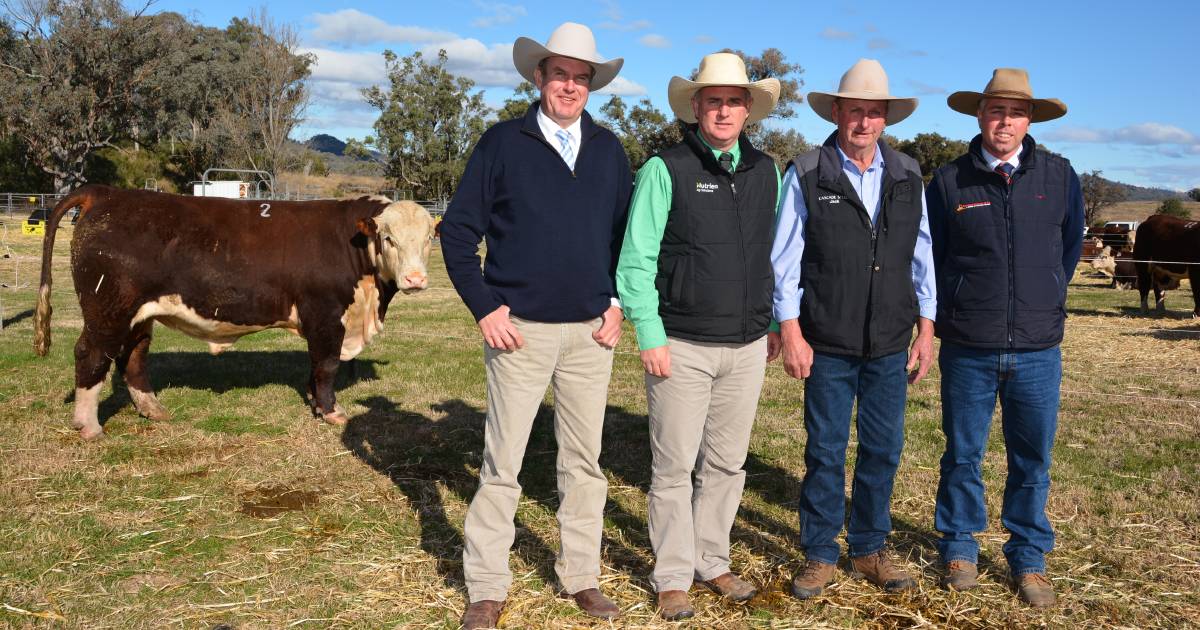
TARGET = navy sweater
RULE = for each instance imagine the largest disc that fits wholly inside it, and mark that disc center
(1004, 253)
(552, 235)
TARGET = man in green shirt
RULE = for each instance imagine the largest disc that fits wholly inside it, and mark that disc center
(694, 277)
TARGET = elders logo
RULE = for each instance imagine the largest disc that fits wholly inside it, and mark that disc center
(963, 207)
(704, 187)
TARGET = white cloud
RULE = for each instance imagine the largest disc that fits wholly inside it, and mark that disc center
(654, 40)
(621, 86)
(1145, 134)
(879, 43)
(488, 66)
(498, 13)
(1175, 176)
(925, 88)
(704, 39)
(351, 67)
(833, 33)
(636, 25)
(351, 27)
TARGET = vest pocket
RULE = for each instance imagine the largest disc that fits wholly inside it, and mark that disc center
(670, 283)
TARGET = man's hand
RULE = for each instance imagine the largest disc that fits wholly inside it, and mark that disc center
(797, 354)
(499, 331)
(657, 361)
(920, 356)
(774, 346)
(609, 332)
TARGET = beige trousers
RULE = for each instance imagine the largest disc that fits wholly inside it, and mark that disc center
(700, 422)
(565, 356)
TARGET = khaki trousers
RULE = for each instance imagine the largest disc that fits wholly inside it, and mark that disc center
(565, 356)
(700, 422)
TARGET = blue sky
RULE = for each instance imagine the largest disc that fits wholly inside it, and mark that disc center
(1127, 71)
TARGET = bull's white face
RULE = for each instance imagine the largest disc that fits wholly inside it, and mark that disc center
(405, 239)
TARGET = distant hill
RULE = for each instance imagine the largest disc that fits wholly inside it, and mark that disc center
(1139, 193)
(326, 143)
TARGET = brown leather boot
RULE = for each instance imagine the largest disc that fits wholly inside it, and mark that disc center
(674, 605)
(484, 613)
(811, 579)
(733, 587)
(1034, 589)
(879, 570)
(961, 575)
(594, 603)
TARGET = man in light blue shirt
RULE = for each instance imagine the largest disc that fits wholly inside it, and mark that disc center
(853, 269)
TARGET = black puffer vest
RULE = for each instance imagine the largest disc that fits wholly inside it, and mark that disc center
(714, 276)
(857, 277)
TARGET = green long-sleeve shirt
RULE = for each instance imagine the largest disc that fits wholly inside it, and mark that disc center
(638, 264)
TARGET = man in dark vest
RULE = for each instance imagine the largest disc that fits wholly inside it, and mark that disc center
(548, 193)
(1007, 224)
(853, 273)
(694, 277)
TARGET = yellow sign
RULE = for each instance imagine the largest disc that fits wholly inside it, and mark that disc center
(36, 229)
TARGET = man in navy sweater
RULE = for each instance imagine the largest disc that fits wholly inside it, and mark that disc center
(1007, 226)
(548, 194)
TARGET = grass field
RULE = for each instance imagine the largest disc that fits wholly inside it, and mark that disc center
(242, 510)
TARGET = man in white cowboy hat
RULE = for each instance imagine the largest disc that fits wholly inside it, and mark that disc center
(548, 193)
(695, 279)
(853, 274)
(1007, 223)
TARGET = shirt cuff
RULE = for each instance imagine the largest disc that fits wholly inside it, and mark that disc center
(651, 334)
(928, 308)
(614, 302)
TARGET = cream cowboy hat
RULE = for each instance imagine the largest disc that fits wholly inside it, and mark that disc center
(1008, 83)
(864, 80)
(568, 40)
(722, 69)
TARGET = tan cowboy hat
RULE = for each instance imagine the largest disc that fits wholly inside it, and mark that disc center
(1008, 83)
(864, 80)
(568, 40)
(722, 69)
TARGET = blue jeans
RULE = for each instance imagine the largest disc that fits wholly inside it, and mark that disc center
(880, 386)
(1027, 383)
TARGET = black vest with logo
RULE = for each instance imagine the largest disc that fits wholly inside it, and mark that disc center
(714, 276)
(857, 277)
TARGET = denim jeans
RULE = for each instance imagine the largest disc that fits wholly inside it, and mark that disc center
(1027, 384)
(880, 386)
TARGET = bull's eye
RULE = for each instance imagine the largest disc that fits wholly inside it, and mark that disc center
(387, 239)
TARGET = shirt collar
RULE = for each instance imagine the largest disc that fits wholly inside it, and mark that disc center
(876, 161)
(735, 150)
(993, 161)
(549, 128)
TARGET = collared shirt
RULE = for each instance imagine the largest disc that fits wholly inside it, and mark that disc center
(550, 128)
(638, 264)
(993, 161)
(788, 249)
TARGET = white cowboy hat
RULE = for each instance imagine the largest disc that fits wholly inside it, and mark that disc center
(1008, 83)
(867, 81)
(568, 40)
(722, 69)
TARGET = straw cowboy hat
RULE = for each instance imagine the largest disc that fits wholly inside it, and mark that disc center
(1008, 83)
(864, 80)
(568, 40)
(722, 69)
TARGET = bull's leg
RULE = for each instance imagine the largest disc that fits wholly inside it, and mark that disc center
(1144, 278)
(324, 332)
(135, 367)
(93, 356)
(1160, 295)
(1194, 276)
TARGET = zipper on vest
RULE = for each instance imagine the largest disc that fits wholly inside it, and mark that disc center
(745, 264)
(1012, 289)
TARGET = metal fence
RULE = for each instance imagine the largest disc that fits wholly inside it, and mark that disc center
(14, 203)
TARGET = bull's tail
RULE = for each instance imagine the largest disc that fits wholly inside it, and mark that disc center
(41, 320)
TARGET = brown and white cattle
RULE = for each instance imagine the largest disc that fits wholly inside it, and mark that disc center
(219, 269)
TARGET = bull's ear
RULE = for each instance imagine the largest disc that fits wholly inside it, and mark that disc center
(367, 226)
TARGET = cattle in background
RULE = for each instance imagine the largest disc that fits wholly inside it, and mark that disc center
(219, 269)
(1119, 238)
(1169, 240)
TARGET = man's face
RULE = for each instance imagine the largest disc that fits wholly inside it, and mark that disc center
(564, 83)
(1004, 123)
(859, 122)
(721, 112)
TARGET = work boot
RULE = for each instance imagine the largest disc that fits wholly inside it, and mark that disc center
(961, 575)
(879, 570)
(1034, 589)
(731, 586)
(674, 605)
(812, 579)
(594, 603)
(484, 613)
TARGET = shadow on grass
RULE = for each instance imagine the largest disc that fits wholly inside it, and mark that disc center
(19, 317)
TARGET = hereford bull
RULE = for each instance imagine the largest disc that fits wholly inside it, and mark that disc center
(219, 269)
(1170, 240)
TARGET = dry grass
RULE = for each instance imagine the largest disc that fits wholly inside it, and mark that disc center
(244, 511)
(332, 185)
(1139, 210)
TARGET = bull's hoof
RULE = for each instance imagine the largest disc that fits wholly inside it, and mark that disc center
(148, 406)
(91, 432)
(156, 414)
(336, 418)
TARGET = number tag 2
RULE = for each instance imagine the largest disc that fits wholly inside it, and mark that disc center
(266, 211)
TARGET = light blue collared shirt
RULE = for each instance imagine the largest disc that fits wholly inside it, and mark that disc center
(788, 248)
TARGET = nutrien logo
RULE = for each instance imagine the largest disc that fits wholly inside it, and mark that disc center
(704, 187)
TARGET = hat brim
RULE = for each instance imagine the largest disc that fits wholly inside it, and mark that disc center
(1043, 108)
(899, 107)
(528, 53)
(764, 92)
